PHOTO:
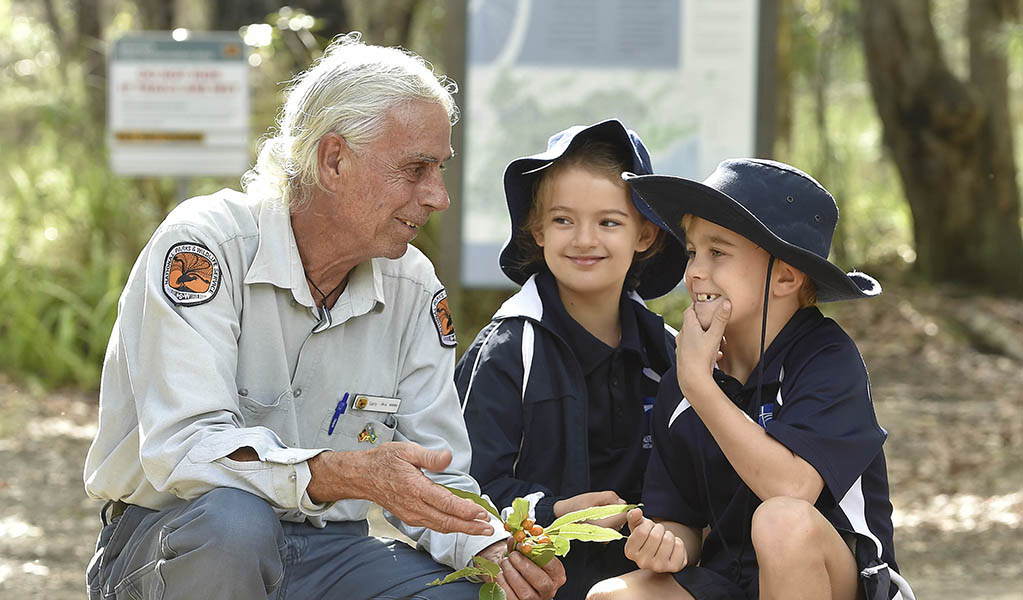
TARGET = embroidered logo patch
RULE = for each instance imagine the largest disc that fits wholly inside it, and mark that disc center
(191, 274)
(442, 319)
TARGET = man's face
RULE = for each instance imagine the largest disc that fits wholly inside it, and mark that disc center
(392, 185)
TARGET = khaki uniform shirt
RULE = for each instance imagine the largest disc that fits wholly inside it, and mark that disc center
(213, 351)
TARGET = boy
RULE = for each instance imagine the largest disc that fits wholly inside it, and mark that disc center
(768, 434)
(557, 389)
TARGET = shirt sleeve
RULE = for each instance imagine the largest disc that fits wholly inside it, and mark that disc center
(670, 486)
(435, 422)
(489, 382)
(182, 357)
(826, 416)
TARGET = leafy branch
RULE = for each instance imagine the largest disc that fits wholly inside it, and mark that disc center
(534, 541)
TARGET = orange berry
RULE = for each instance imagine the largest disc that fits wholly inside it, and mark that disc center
(519, 535)
(527, 524)
(544, 540)
(526, 548)
(535, 530)
(507, 527)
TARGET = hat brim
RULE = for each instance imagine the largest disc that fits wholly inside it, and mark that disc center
(661, 272)
(671, 198)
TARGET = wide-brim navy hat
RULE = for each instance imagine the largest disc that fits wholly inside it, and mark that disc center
(660, 273)
(776, 206)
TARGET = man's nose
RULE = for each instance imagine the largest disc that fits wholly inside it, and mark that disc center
(434, 193)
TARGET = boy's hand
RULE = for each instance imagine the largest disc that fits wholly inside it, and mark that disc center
(697, 350)
(653, 547)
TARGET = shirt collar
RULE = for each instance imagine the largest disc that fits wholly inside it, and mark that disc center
(277, 260)
(589, 351)
(803, 320)
(278, 263)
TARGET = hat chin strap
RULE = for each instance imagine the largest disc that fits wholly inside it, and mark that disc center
(751, 410)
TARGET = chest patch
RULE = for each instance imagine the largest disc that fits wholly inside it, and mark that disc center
(191, 274)
(442, 319)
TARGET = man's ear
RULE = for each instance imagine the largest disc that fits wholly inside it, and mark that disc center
(787, 279)
(332, 158)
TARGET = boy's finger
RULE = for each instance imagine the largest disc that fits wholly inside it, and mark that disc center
(721, 316)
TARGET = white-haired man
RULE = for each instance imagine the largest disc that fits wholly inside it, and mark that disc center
(282, 356)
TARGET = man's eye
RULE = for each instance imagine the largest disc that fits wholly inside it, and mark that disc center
(610, 223)
(443, 167)
(691, 253)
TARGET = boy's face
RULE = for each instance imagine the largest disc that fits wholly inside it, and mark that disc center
(590, 232)
(723, 264)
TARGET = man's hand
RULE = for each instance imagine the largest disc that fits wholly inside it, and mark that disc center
(588, 499)
(391, 475)
(697, 350)
(521, 578)
(653, 547)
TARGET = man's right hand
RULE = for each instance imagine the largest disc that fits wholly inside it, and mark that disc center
(588, 499)
(391, 475)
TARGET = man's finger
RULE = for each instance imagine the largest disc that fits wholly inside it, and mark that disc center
(431, 460)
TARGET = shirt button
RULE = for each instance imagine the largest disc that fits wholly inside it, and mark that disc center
(243, 392)
(298, 392)
(614, 381)
(292, 476)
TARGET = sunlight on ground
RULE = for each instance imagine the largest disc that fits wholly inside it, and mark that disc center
(964, 512)
(13, 527)
(56, 426)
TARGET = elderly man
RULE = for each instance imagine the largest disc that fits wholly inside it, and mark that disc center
(283, 356)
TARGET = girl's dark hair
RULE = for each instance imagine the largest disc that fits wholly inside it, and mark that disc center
(602, 159)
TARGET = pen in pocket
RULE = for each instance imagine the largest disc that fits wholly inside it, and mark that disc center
(338, 411)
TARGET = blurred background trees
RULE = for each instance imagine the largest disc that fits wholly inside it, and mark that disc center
(907, 111)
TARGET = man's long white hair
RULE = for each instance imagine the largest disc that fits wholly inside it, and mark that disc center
(347, 91)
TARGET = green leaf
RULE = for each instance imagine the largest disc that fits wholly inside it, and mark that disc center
(542, 555)
(475, 498)
(520, 510)
(466, 572)
(588, 533)
(490, 567)
(590, 514)
(492, 591)
(561, 545)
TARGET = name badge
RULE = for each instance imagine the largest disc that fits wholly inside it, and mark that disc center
(376, 403)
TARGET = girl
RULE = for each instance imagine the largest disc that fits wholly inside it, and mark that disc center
(557, 389)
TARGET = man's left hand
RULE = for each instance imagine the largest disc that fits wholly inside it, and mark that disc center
(521, 578)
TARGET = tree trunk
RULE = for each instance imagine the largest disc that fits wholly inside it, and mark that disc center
(951, 141)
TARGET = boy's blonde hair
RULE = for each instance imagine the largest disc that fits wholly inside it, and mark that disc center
(807, 294)
(601, 159)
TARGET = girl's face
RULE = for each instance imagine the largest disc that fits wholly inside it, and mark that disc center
(590, 232)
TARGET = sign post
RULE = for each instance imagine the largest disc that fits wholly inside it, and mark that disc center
(178, 105)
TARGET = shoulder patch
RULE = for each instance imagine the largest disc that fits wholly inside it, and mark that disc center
(191, 274)
(442, 319)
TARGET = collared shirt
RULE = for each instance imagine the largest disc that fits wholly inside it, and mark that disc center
(186, 385)
(617, 393)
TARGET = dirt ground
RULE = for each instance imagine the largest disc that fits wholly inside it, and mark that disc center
(951, 405)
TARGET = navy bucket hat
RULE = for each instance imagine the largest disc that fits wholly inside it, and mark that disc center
(660, 273)
(776, 206)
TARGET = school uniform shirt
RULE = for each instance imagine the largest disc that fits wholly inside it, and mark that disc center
(213, 350)
(554, 412)
(815, 400)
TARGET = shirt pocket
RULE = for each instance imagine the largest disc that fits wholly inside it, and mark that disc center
(356, 430)
(277, 415)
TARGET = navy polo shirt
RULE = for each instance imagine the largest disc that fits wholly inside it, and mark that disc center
(617, 420)
(816, 401)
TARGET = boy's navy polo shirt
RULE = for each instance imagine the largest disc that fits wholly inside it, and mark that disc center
(816, 401)
(617, 420)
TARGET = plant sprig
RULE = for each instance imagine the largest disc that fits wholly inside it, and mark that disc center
(534, 541)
